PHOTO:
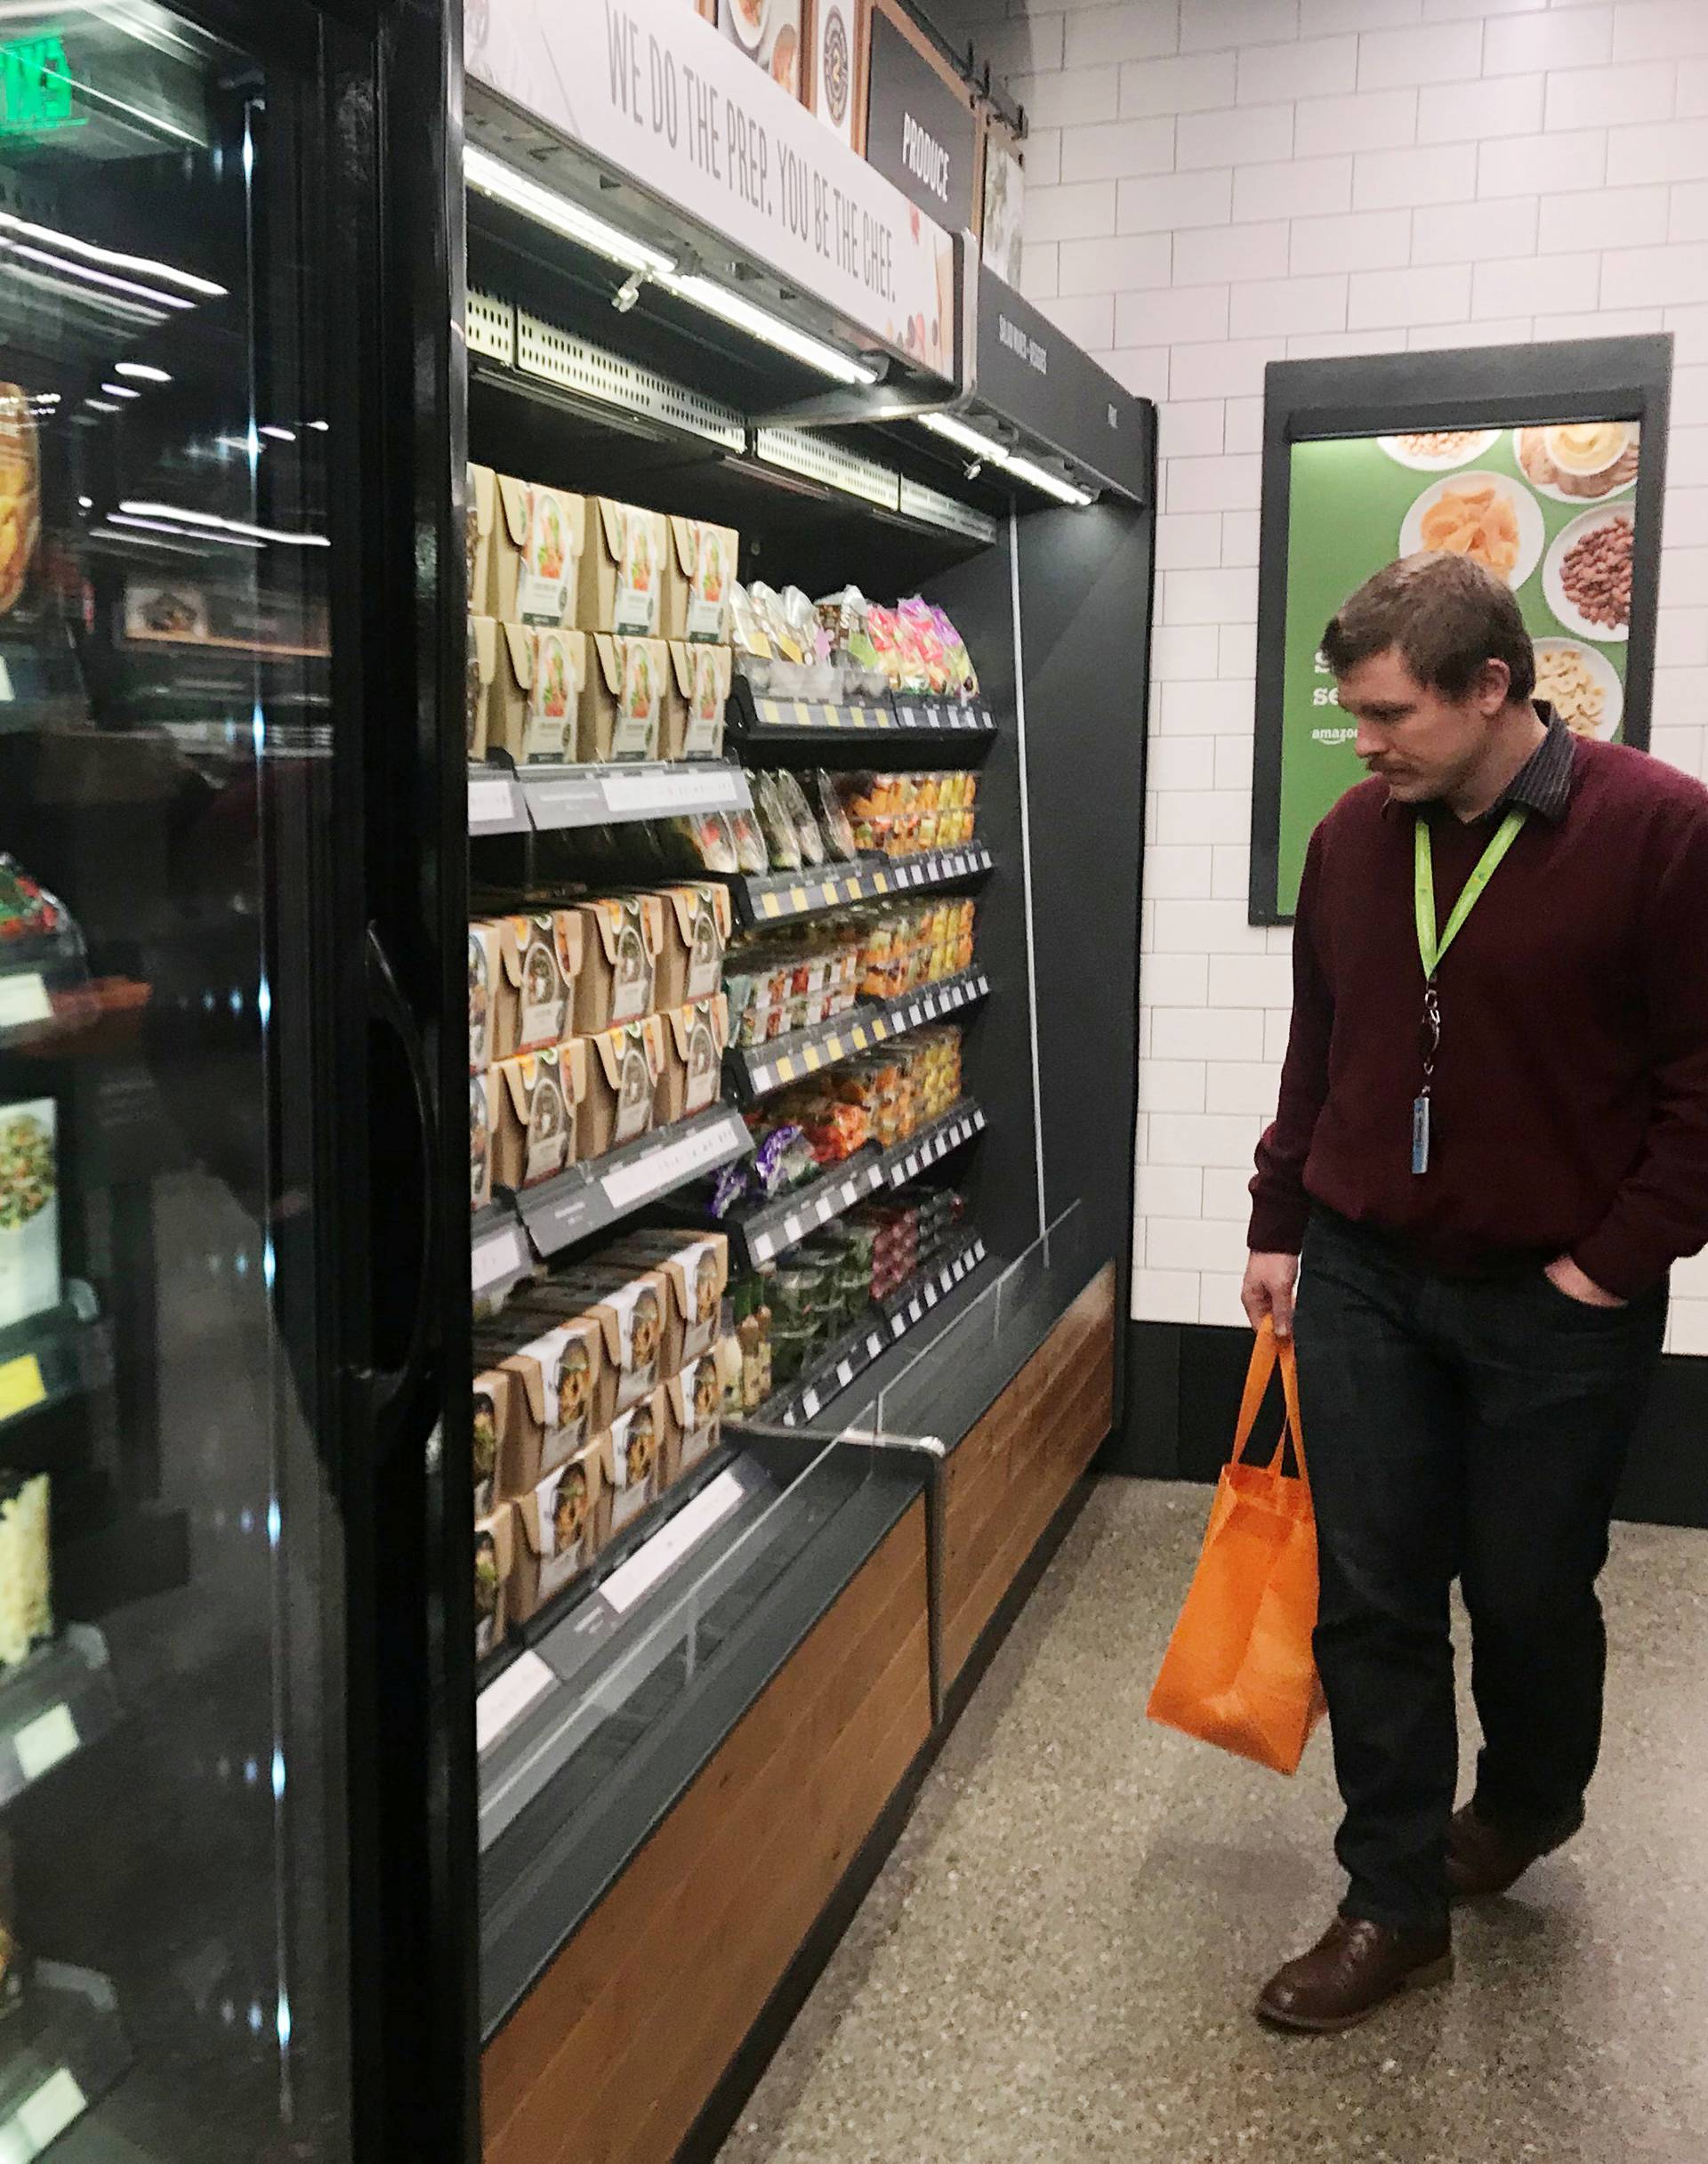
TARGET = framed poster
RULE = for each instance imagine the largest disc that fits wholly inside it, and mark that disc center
(1545, 462)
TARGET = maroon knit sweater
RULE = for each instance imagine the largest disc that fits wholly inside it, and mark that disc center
(1571, 1088)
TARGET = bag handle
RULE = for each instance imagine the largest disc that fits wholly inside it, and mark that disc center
(1269, 1352)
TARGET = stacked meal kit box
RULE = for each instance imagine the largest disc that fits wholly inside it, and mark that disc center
(597, 1389)
(597, 630)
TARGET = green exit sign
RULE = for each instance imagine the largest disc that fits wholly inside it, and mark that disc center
(36, 86)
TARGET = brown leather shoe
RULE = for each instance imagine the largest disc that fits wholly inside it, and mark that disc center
(1353, 1968)
(1484, 1860)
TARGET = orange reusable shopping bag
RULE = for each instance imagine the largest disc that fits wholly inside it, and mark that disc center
(1238, 1671)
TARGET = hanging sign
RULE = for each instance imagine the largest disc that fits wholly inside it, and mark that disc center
(1037, 378)
(919, 133)
(654, 92)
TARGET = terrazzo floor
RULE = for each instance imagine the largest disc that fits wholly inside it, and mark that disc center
(1058, 1958)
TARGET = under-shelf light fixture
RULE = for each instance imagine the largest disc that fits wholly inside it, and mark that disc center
(491, 177)
(980, 445)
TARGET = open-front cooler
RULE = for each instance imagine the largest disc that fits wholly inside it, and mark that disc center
(803, 710)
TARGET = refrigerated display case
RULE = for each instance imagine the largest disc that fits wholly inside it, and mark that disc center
(206, 1484)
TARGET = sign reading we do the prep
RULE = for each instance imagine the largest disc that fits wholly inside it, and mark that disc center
(652, 90)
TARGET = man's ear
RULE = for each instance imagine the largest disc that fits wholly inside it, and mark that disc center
(1491, 687)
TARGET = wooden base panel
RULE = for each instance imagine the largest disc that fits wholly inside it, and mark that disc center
(1009, 1476)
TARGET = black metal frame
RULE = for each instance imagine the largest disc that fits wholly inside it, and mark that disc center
(1307, 402)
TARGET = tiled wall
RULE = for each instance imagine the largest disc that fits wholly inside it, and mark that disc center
(1214, 184)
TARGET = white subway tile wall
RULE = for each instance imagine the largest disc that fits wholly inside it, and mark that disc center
(1239, 182)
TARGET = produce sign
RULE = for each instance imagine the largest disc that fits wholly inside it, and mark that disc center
(1551, 510)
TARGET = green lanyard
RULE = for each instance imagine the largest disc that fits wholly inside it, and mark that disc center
(1430, 949)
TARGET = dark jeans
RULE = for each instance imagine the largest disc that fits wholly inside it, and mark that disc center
(1469, 1429)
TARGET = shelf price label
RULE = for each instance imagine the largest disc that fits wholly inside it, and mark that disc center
(42, 1743)
(21, 1386)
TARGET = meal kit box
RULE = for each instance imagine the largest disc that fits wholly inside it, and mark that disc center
(535, 699)
(537, 1099)
(622, 1098)
(556, 1531)
(622, 938)
(694, 1402)
(622, 570)
(696, 1269)
(695, 699)
(478, 682)
(539, 537)
(699, 570)
(697, 925)
(691, 1066)
(483, 1098)
(623, 695)
(558, 1377)
(493, 1556)
(528, 966)
(633, 1464)
(629, 1305)
(29, 1208)
(481, 518)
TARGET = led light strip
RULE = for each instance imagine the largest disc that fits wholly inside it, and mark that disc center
(980, 445)
(490, 177)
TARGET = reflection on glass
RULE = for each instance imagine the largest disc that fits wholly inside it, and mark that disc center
(172, 1976)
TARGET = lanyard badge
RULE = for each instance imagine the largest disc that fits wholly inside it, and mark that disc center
(1431, 947)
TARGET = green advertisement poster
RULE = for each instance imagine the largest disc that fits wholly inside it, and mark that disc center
(1551, 509)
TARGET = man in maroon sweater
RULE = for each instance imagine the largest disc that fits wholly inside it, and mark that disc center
(1491, 1144)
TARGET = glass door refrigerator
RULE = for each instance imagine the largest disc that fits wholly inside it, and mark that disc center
(229, 1837)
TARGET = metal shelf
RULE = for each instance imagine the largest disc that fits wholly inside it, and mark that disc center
(759, 1070)
(588, 1198)
(780, 897)
(905, 1161)
(765, 723)
(64, 2048)
(777, 1226)
(806, 1397)
(773, 1229)
(545, 799)
(56, 1702)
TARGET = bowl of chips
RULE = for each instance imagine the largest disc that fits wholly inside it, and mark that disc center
(1489, 517)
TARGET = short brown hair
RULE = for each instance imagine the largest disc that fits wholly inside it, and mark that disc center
(1446, 614)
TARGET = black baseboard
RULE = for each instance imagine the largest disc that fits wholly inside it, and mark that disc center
(718, 2116)
(1186, 1377)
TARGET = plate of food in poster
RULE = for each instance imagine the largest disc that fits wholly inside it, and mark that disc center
(1587, 577)
(1439, 450)
(1487, 516)
(1581, 686)
(1579, 462)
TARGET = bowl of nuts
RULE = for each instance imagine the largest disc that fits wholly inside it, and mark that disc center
(1587, 576)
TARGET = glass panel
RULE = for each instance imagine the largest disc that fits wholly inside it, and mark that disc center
(172, 1954)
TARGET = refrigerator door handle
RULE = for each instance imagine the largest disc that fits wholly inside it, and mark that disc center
(387, 1387)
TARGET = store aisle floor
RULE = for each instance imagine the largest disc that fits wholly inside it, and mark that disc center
(1058, 1960)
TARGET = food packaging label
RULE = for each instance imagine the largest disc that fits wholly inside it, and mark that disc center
(483, 965)
(695, 1404)
(493, 1556)
(541, 957)
(554, 696)
(628, 1057)
(29, 1208)
(634, 540)
(26, 1580)
(698, 1033)
(482, 667)
(545, 528)
(482, 512)
(696, 1267)
(632, 1460)
(698, 924)
(701, 567)
(543, 1091)
(701, 692)
(495, 1392)
(626, 699)
(630, 953)
(480, 1112)
(558, 1521)
(20, 495)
